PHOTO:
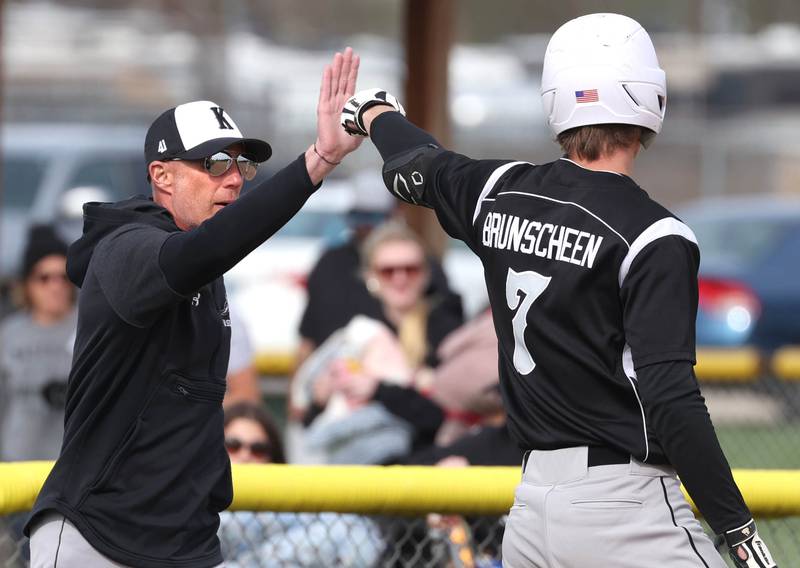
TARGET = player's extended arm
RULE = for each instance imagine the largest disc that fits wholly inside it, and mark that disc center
(418, 170)
(406, 149)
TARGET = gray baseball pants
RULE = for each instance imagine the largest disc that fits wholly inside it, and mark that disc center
(569, 515)
(56, 543)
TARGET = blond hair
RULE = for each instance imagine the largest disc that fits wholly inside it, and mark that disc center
(412, 330)
(596, 141)
(391, 231)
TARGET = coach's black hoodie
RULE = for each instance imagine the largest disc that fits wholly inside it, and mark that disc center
(143, 471)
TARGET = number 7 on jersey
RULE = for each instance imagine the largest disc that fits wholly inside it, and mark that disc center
(531, 284)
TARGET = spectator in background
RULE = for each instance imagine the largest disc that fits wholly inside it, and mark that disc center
(304, 540)
(487, 442)
(461, 404)
(360, 403)
(251, 436)
(465, 382)
(36, 352)
(396, 272)
(336, 287)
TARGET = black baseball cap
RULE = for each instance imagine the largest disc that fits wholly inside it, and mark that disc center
(196, 130)
(42, 241)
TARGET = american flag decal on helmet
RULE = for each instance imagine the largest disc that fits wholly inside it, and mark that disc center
(586, 96)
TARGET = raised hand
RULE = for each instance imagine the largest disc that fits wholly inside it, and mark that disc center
(338, 85)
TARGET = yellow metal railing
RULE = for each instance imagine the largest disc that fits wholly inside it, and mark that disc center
(396, 490)
(735, 365)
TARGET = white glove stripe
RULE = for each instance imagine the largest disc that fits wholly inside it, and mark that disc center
(352, 117)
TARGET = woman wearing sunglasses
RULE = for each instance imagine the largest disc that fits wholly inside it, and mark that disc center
(153, 339)
(380, 401)
(396, 272)
(251, 436)
(36, 352)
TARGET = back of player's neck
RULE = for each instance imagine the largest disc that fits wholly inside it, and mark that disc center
(618, 163)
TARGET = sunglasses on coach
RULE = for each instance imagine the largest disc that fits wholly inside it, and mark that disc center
(219, 163)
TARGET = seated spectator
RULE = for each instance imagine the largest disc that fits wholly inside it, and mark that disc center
(337, 288)
(488, 442)
(396, 272)
(458, 402)
(251, 436)
(304, 540)
(345, 429)
(466, 380)
(36, 352)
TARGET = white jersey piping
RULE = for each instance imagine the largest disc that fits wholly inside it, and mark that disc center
(489, 185)
(581, 207)
(630, 373)
(662, 228)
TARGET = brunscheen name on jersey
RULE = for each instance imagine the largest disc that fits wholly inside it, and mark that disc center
(546, 240)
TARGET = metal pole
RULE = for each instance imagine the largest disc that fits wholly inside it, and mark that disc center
(428, 36)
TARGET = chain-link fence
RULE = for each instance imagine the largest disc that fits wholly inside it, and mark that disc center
(757, 419)
(325, 540)
(757, 412)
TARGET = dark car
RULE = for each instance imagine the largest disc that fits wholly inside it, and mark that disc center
(749, 270)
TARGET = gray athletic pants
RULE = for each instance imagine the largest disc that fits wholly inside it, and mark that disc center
(569, 515)
(56, 543)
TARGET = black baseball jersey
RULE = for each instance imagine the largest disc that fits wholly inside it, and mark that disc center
(594, 295)
(588, 279)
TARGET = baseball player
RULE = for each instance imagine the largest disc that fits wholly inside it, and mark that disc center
(593, 288)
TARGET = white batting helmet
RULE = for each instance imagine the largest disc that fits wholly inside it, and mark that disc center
(602, 69)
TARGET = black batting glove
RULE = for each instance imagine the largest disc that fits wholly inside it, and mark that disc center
(747, 549)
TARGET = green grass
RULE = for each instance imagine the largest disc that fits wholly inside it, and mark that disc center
(773, 447)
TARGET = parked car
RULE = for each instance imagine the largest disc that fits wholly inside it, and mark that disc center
(50, 170)
(749, 270)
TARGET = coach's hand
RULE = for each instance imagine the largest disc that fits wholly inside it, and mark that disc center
(332, 145)
(352, 119)
(747, 549)
(338, 84)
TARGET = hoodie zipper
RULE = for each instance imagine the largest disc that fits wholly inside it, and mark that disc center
(199, 392)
